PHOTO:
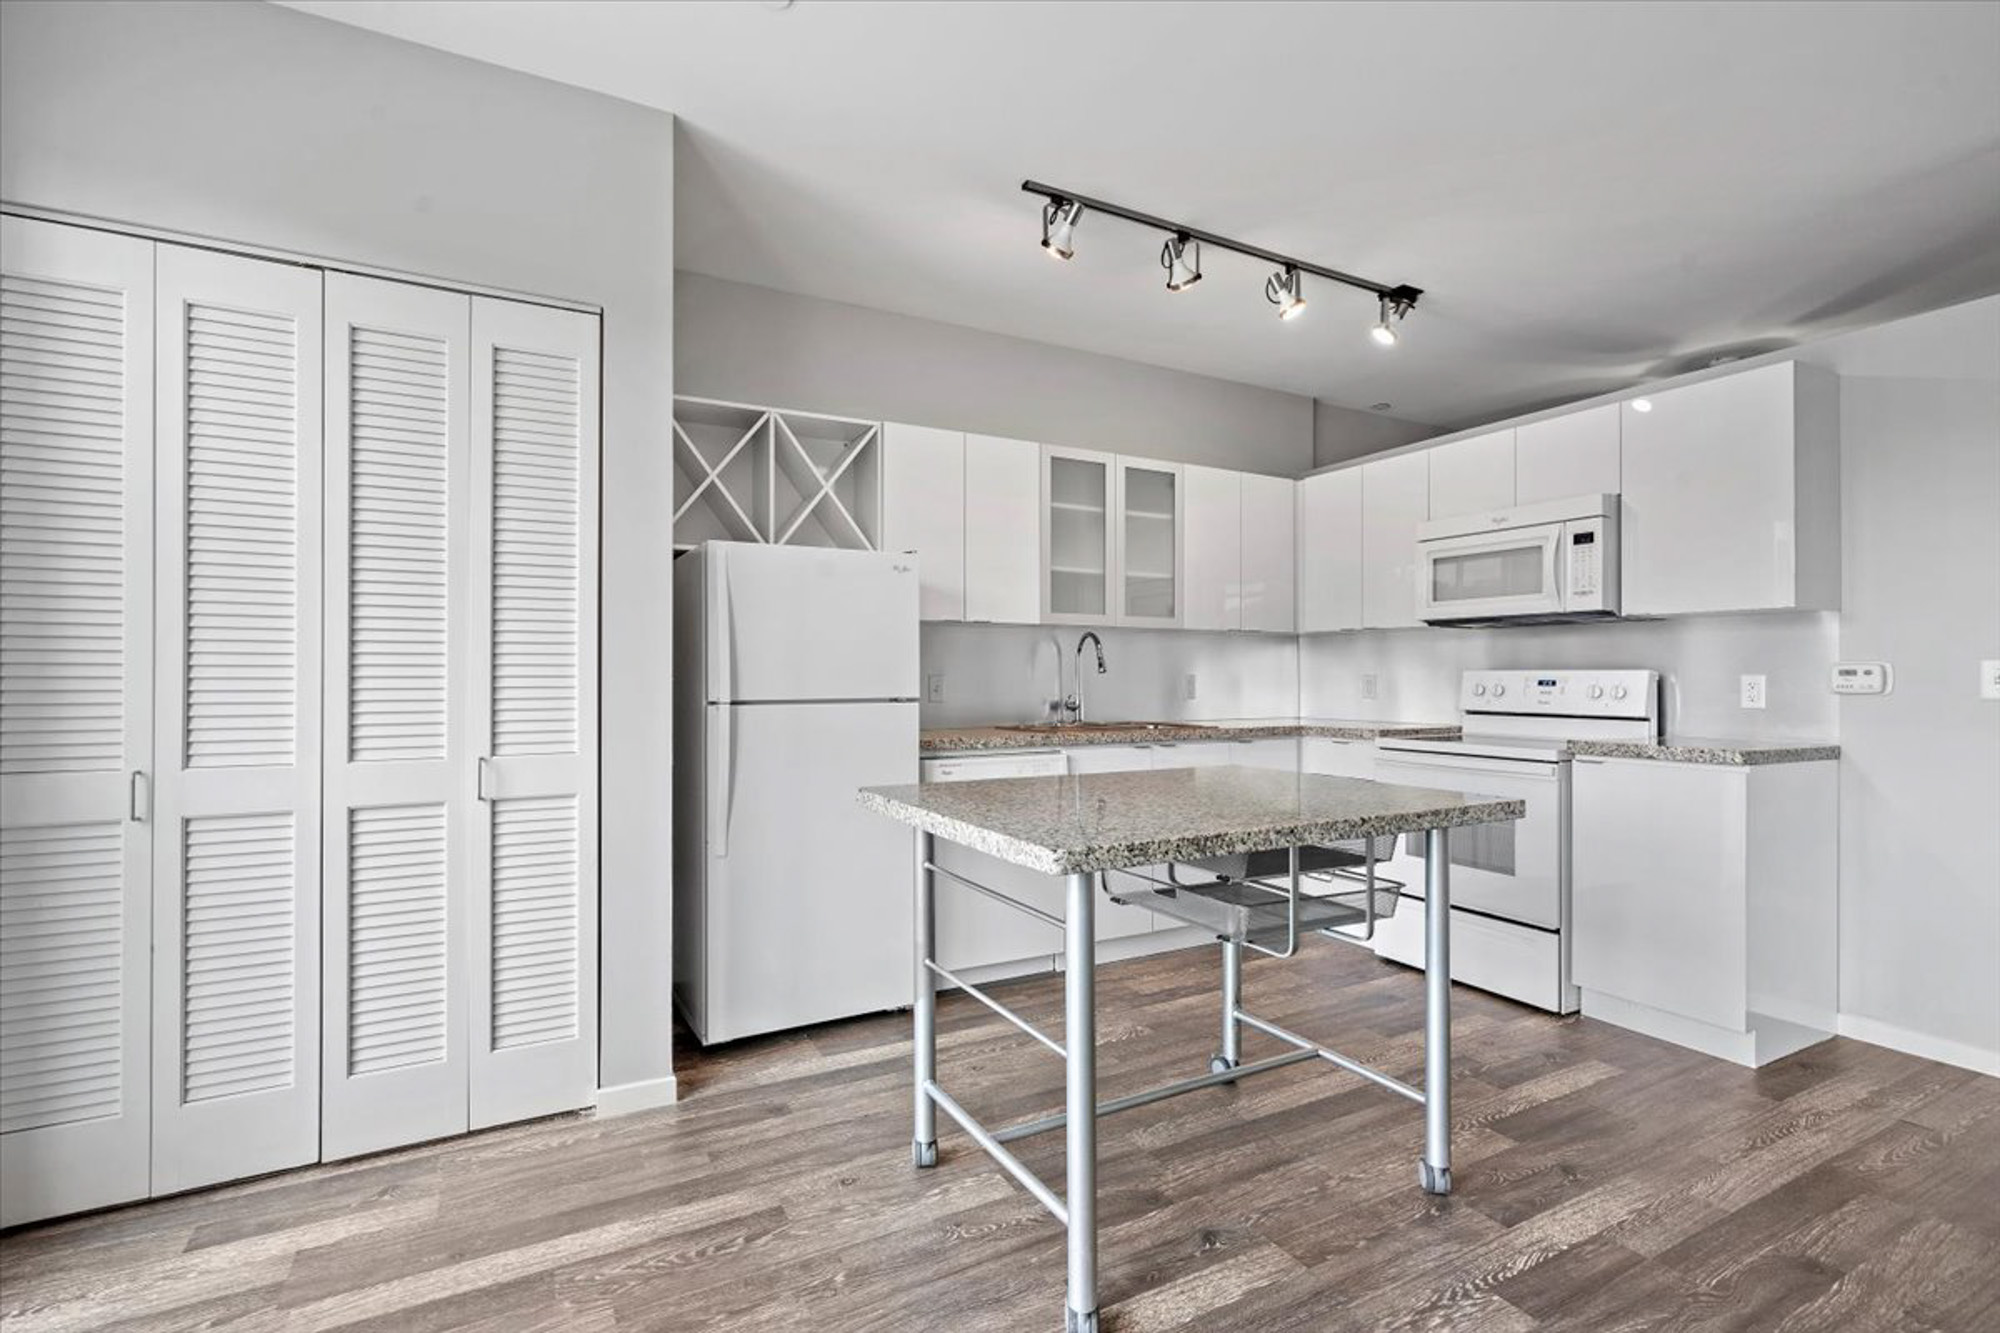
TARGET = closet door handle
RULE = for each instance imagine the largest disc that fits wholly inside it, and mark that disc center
(141, 797)
(485, 778)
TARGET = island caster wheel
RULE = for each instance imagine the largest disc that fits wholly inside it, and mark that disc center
(1220, 1064)
(924, 1154)
(1079, 1323)
(1434, 1179)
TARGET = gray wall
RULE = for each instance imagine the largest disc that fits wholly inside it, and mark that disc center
(1006, 673)
(751, 344)
(1920, 767)
(1341, 433)
(256, 124)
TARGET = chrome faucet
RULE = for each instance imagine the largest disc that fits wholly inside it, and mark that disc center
(1074, 703)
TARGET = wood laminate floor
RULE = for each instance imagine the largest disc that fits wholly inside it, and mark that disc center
(1603, 1182)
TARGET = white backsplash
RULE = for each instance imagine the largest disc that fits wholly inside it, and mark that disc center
(1700, 660)
(1006, 673)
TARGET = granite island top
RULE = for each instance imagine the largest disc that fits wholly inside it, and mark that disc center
(1111, 821)
(1709, 750)
(1026, 736)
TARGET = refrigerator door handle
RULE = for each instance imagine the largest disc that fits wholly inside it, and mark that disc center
(722, 779)
(722, 689)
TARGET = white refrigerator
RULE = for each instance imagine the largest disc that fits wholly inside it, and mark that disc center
(795, 682)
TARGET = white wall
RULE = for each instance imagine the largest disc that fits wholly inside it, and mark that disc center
(255, 124)
(1699, 659)
(1006, 673)
(751, 344)
(1341, 433)
(1920, 767)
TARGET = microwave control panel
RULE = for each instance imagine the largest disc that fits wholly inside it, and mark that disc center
(1590, 564)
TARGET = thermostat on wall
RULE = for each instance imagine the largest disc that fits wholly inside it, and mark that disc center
(1860, 678)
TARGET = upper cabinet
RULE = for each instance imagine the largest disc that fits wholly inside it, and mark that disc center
(1395, 499)
(1212, 564)
(1574, 454)
(923, 512)
(1003, 489)
(1329, 551)
(1269, 553)
(1078, 493)
(1731, 492)
(1149, 542)
(1473, 475)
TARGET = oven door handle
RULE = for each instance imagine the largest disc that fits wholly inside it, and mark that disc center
(1524, 770)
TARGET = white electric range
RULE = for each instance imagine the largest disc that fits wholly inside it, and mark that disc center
(1510, 883)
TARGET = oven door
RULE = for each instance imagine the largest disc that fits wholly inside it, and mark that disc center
(1488, 574)
(1512, 870)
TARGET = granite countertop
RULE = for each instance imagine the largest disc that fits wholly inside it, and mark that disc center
(1111, 821)
(959, 740)
(1709, 750)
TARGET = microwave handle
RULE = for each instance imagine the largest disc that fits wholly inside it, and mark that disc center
(1558, 567)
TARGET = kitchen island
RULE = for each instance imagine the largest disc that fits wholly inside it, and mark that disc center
(1084, 827)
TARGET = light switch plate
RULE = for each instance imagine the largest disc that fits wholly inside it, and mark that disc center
(1191, 686)
(1861, 678)
(1368, 685)
(1989, 678)
(934, 688)
(1753, 691)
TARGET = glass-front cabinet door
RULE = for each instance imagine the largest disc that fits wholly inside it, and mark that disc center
(1149, 542)
(1078, 564)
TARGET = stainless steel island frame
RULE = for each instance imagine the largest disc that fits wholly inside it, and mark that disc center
(1073, 826)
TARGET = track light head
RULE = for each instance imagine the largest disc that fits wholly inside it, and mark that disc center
(1395, 305)
(1183, 272)
(1285, 290)
(1059, 219)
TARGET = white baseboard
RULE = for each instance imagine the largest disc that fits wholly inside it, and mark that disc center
(1942, 1049)
(626, 1098)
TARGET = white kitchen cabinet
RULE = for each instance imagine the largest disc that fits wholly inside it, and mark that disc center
(1329, 551)
(1077, 536)
(924, 512)
(76, 718)
(1731, 494)
(1395, 499)
(1270, 554)
(1212, 562)
(1573, 454)
(1715, 928)
(1471, 476)
(1003, 489)
(1150, 520)
(1337, 757)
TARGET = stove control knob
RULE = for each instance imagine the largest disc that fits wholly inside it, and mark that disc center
(1479, 691)
(1618, 691)
(1597, 691)
(1499, 690)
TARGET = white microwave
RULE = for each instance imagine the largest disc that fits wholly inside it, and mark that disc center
(1544, 563)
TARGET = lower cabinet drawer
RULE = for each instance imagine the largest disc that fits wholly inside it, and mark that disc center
(1516, 961)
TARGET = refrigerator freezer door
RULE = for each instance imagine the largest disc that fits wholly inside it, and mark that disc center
(803, 623)
(809, 907)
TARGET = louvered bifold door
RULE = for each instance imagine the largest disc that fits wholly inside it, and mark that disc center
(237, 840)
(76, 707)
(535, 450)
(399, 771)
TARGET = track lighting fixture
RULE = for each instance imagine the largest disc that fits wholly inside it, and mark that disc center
(1182, 272)
(1283, 289)
(1181, 258)
(1059, 218)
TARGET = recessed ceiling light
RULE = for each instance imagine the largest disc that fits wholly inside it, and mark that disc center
(1642, 404)
(1380, 407)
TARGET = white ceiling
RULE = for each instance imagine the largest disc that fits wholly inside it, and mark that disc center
(1590, 194)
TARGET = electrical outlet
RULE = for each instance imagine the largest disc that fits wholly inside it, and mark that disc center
(1368, 685)
(1190, 686)
(1753, 691)
(934, 688)
(1989, 678)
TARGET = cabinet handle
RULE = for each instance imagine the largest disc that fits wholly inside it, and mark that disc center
(142, 798)
(485, 779)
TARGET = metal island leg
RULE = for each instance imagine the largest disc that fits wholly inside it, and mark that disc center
(1231, 1054)
(1080, 1101)
(1434, 1171)
(923, 1146)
